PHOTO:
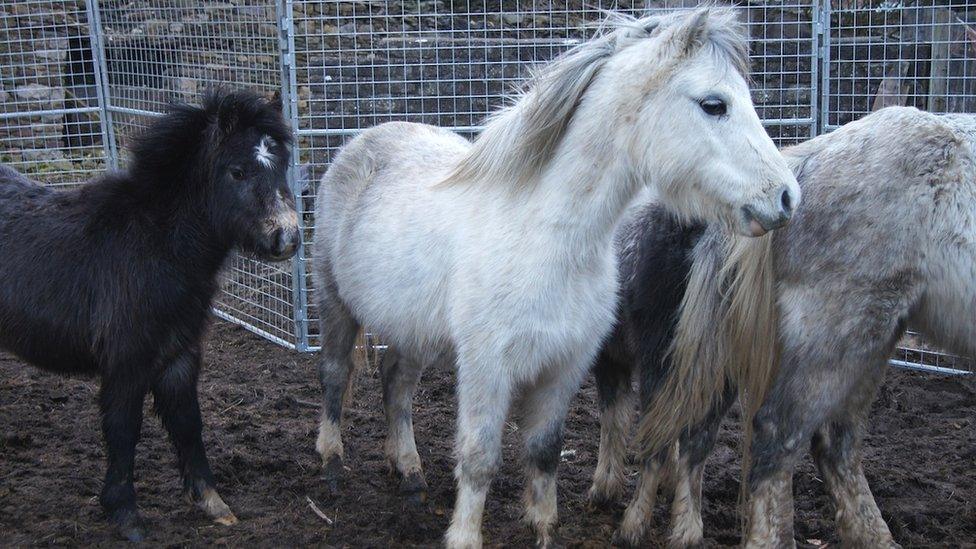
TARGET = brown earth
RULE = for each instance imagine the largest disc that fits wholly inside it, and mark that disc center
(260, 417)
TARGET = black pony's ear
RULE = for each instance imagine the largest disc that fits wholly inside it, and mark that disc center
(227, 117)
(276, 101)
(169, 141)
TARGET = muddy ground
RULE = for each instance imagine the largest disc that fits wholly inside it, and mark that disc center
(258, 403)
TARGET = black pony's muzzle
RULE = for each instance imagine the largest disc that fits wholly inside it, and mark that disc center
(280, 244)
(282, 235)
(286, 242)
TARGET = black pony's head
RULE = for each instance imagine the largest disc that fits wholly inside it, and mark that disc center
(233, 153)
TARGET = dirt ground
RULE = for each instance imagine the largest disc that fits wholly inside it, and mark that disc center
(260, 418)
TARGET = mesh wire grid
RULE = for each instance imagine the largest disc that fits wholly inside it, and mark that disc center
(71, 97)
(50, 114)
(881, 53)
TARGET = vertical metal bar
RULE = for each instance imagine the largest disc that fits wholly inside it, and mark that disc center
(289, 103)
(823, 66)
(101, 83)
(815, 66)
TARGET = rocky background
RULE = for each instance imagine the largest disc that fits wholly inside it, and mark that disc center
(43, 48)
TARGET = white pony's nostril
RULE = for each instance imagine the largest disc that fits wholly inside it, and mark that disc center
(786, 202)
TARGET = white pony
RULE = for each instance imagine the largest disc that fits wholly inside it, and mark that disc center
(498, 254)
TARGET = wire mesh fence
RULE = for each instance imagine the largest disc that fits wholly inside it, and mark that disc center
(78, 77)
(884, 53)
(50, 114)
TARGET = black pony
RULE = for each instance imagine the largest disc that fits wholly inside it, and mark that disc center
(116, 277)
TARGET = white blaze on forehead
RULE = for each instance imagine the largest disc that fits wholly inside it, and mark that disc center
(262, 152)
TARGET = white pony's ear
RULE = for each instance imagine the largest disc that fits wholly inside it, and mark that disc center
(691, 34)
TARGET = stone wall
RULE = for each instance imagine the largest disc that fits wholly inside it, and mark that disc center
(34, 51)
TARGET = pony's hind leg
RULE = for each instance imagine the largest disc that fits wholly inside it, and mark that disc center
(176, 403)
(338, 333)
(688, 471)
(400, 377)
(616, 396)
(797, 405)
(543, 410)
(120, 399)
(837, 454)
(639, 512)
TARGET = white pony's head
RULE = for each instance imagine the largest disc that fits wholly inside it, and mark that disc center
(663, 98)
(677, 84)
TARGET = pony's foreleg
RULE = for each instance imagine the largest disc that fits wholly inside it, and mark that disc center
(837, 454)
(484, 398)
(795, 407)
(121, 400)
(400, 377)
(338, 329)
(771, 512)
(688, 472)
(543, 410)
(616, 396)
(176, 403)
(640, 510)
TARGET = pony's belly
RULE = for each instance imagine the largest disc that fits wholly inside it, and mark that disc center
(398, 305)
(552, 319)
(51, 355)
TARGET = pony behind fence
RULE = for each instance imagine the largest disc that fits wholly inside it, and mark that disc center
(884, 241)
(115, 278)
(498, 254)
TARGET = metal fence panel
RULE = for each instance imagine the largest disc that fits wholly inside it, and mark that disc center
(882, 53)
(50, 114)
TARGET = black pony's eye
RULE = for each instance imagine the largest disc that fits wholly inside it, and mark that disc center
(713, 106)
(237, 174)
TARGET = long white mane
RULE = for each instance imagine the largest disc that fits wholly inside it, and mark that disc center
(519, 140)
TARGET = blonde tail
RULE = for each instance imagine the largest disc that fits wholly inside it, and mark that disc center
(726, 330)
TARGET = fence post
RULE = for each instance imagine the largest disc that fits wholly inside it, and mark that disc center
(822, 64)
(101, 82)
(942, 21)
(289, 104)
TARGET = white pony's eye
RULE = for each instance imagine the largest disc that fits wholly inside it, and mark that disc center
(713, 106)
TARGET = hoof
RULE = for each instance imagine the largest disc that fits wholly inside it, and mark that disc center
(332, 473)
(129, 526)
(227, 520)
(413, 488)
(622, 539)
(547, 540)
(215, 508)
(601, 499)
